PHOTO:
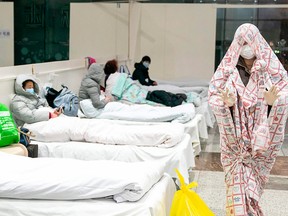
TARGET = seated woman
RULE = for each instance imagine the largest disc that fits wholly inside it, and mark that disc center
(141, 72)
(110, 69)
(90, 87)
(27, 106)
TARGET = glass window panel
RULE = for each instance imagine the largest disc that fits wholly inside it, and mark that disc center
(41, 31)
(272, 23)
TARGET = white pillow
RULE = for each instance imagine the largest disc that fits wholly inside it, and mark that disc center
(88, 109)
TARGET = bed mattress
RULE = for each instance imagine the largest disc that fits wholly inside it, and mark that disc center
(156, 201)
(180, 156)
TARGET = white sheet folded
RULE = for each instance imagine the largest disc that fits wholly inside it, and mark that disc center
(71, 179)
(139, 112)
(106, 132)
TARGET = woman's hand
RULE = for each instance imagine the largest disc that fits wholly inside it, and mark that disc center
(271, 95)
(108, 98)
(56, 112)
(228, 98)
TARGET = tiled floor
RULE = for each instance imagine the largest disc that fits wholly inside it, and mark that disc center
(210, 177)
(211, 189)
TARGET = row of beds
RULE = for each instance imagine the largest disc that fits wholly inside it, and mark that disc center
(139, 178)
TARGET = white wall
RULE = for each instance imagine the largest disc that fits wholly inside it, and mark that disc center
(6, 42)
(69, 73)
(179, 38)
(98, 30)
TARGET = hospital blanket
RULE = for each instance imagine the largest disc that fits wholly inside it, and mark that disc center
(139, 112)
(106, 132)
(71, 179)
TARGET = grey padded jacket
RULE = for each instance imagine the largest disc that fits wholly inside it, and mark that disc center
(90, 86)
(26, 107)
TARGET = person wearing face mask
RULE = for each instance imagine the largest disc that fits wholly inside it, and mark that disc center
(141, 72)
(245, 63)
(248, 94)
(26, 105)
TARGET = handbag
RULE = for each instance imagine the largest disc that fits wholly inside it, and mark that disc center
(25, 135)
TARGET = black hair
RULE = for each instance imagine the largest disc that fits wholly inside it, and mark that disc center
(110, 67)
(24, 83)
(146, 58)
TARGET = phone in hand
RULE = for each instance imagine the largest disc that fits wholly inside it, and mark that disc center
(59, 109)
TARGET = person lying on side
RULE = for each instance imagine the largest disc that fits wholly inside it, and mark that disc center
(27, 106)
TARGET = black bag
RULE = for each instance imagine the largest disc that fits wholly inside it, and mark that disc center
(51, 95)
(32, 150)
(68, 101)
(65, 99)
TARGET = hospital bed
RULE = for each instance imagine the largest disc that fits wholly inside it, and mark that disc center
(199, 87)
(156, 201)
(49, 186)
(195, 124)
(138, 141)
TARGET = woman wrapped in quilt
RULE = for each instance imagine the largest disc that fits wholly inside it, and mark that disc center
(27, 106)
(248, 95)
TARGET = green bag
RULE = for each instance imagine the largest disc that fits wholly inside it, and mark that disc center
(8, 130)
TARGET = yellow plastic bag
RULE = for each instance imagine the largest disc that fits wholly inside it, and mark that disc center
(187, 202)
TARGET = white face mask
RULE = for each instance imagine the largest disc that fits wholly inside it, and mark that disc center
(146, 64)
(31, 91)
(247, 52)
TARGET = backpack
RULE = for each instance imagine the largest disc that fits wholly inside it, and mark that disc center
(64, 98)
(51, 95)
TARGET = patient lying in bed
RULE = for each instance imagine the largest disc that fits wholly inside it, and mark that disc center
(124, 88)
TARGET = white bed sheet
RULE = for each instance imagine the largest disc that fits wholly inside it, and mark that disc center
(205, 110)
(72, 179)
(139, 112)
(191, 83)
(199, 86)
(181, 156)
(196, 128)
(64, 129)
(157, 201)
